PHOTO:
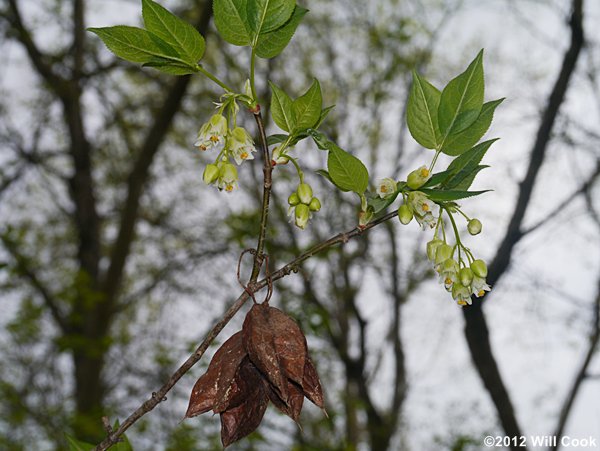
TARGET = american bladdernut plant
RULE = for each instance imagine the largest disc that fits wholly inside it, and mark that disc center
(268, 360)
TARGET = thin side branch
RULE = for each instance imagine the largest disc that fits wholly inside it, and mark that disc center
(157, 397)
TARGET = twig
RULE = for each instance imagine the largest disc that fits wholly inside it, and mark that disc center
(156, 398)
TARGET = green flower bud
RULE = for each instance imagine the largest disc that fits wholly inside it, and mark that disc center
(443, 253)
(302, 215)
(474, 226)
(211, 174)
(466, 276)
(293, 200)
(432, 248)
(479, 268)
(418, 177)
(405, 214)
(315, 204)
(305, 193)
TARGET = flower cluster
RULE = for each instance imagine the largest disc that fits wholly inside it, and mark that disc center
(461, 274)
(302, 204)
(231, 143)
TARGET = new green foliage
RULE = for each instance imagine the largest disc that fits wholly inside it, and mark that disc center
(168, 43)
(462, 99)
(422, 112)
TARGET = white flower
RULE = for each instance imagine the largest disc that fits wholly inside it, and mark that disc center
(448, 272)
(461, 294)
(386, 187)
(479, 286)
(422, 207)
(228, 177)
(212, 134)
(242, 145)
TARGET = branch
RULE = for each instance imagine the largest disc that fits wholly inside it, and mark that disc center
(292, 266)
(584, 188)
(580, 375)
(139, 174)
(37, 58)
(267, 183)
(22, 264)
(476, 330)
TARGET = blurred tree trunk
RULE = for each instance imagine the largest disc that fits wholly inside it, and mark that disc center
(476, 330)
(85, 325)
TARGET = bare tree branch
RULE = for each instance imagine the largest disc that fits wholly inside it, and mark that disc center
(476, 330)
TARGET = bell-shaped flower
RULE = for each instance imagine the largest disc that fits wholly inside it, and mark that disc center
(241, 145)
(228, 177)
(302, 215)
(448, 273)
(479, 286)
(212, 134)
(461, 294)
(420, 203)
(417, 178)
(386, 187)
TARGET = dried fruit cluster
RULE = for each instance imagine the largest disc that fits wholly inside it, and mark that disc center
(266, 361)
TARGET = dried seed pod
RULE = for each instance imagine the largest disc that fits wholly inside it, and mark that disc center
(276, 345)
(247, 407)
(311, 385)
(213, 386)
(293, 407)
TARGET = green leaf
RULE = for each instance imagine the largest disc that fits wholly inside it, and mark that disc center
(378, 204)
(460, 142)
(422, 112)
(307, 107)
(347, 172)
(78, 445)
(276, 139)
(462, 99)
(282, 109)
(179, 34)
(325, 174)
(269, 45)
(437, 178)
(136, 45)
(169, 67)
(466, 183)
(231, 19)
(320, 139)
(268, 15)
(463, 165)
(324, 113)
(441, 195)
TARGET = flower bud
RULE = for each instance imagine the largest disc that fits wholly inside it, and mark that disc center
(418, 177)
(211, 174)
(479, 268)
(474, 226)
(278, 158)
(432, 248)
(302, 214)
(315, 204)
(466, 276)
(305, 193)
(443, 253)
(293, 200)
(405, 214)
(364, 217)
